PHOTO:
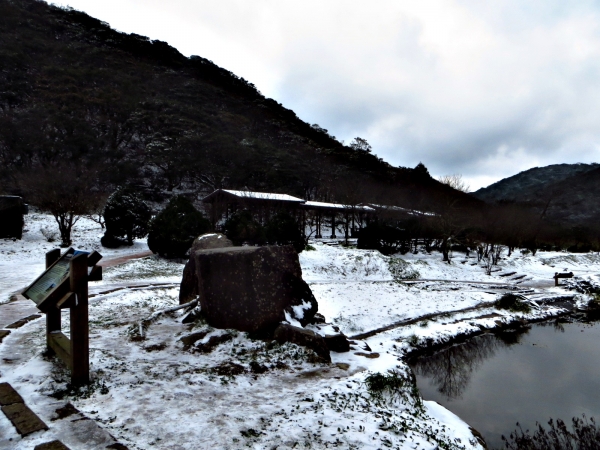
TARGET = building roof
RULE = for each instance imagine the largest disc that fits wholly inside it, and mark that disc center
(245, 195)
(323, 205)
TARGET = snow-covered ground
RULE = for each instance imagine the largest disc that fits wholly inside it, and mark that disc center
(227, 390)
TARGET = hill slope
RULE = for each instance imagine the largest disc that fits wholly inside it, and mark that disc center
(120, 108)
(568, 193)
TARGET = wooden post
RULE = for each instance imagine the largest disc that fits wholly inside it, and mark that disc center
(53, 322)
(318, 235)
(80, 335)
(333, 236)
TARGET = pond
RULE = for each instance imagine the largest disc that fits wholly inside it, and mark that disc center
(493, 381)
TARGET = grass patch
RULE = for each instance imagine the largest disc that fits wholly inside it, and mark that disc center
(377, 383)
(512, 303)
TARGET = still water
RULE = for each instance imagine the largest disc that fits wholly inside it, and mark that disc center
(493, 381)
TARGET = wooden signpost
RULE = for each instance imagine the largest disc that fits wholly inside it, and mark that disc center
(557, 276)
(64, 284)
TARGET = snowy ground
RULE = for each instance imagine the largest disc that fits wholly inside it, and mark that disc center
(149, 390)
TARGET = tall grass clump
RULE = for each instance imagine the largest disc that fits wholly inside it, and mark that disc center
(583, 435)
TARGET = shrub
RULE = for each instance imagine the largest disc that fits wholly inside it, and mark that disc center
(513, 303)
(283, 229)
(241, 228)
(401, 270)
(174, 229)
(127, 216)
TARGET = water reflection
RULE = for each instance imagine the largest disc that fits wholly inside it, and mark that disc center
(450, 370)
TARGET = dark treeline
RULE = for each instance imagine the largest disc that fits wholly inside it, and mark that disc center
(492, 232)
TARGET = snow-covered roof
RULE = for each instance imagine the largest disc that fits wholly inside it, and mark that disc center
(256, 195)
(324, 205)
(412, 212)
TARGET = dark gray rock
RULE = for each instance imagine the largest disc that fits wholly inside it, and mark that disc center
(211, 240)
(301, 336)
(248, 288)
(337, 342)
(189, 283)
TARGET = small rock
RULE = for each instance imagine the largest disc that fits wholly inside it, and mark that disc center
(190, 339)
(300, 336)
(337, 342)
(368, 355)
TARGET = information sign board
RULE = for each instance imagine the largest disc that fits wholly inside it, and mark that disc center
(52, 278)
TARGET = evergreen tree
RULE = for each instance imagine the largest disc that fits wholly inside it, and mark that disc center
(126, 215)
(174, 229)
(242, 228)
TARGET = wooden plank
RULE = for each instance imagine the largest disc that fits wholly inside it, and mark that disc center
(61, 345)
(65, 301)
(95, 274)
(23, 418)
(8, 395)
(93, 258)
(52, 256)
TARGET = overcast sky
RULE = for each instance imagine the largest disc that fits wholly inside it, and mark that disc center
(480, 88)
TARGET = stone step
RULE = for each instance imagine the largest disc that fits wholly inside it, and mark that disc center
(53, 445)
(15, 409)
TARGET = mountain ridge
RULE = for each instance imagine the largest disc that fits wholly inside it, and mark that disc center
(567, 194)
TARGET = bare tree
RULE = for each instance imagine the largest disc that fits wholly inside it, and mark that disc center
(455, 181)
(64, 190)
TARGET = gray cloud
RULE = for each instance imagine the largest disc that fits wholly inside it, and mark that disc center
(485, 89)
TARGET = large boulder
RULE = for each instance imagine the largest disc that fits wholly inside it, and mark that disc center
(189, 283)
(249, 288)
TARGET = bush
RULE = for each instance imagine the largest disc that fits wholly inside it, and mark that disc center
(513, 303)
(174, 229)
(282, 229)
(241, 228)
(127, 216)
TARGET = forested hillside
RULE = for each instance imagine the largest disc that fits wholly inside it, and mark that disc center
(568, 194)
(94, 108)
